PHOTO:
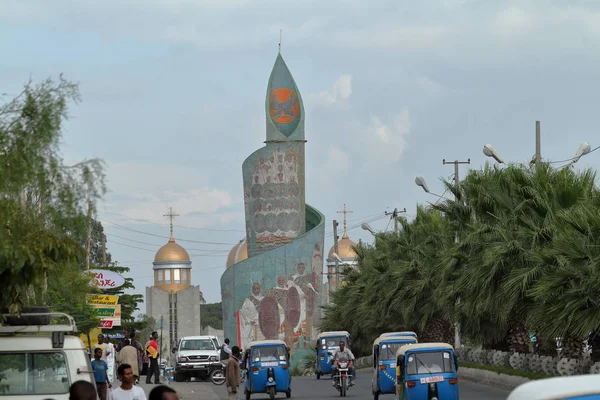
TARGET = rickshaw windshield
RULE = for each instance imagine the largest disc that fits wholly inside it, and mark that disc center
(333, 342)
(197, 344)
(268, 353)
(388, 351)
(430, 362)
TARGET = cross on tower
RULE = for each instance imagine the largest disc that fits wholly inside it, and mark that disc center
(171, 216)
(345, 211)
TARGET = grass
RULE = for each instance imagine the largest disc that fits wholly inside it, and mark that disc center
(504, 370)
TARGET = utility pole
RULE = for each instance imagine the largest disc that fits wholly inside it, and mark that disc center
(335, 247)
(394, 215)
(538, 145)
(88, 246)
(456, 238)
(104, 250)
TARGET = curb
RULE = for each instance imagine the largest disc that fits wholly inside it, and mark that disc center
(490, 378)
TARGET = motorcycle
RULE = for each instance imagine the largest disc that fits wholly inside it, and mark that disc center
(217, 375)
(342, 376)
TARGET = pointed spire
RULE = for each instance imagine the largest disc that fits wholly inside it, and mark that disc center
(345, 212)
(284, 108)
(171, 216)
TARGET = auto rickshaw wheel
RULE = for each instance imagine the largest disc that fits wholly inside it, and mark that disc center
(272, 392)
(288, 393)
(318, 375)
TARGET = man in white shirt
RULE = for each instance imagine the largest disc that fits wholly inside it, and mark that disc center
(109, 353)
(127, 390)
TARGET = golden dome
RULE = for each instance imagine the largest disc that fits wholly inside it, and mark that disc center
(344, 248)
(238, 253)
(171, 252)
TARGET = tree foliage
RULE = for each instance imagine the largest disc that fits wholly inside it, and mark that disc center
(527, 259)
(212, 315)
(41, 199)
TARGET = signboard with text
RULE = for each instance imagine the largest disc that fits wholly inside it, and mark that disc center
(109, 321)
(106, 279)
(100, 299)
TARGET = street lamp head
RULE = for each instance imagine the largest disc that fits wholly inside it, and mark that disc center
(420, 181)
(367, 227)
(336, 257)
(489, 151)
(584, 148)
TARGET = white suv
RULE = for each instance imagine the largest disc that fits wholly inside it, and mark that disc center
(37, 360)
(196, 356)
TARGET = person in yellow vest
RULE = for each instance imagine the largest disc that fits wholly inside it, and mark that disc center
(152, 351)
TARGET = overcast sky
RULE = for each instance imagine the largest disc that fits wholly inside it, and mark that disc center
(173, 100)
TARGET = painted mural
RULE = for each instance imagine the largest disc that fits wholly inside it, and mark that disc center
(276, 292)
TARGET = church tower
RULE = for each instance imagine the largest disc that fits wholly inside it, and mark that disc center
(172, 300)
(345, 251)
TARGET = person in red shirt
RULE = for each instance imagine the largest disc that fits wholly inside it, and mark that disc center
(153, 352)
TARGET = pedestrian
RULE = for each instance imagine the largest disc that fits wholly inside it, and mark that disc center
(232, 374)
(82, 390)
(127, 390)
(109, 349)
(129, 355)
(163, 392)
(152, 351)
(225, 351)
(100, 369)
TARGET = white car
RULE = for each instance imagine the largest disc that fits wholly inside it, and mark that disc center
(39, 361)
(196, 356)
(579, 387)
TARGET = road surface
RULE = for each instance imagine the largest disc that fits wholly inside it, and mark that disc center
(311, 388)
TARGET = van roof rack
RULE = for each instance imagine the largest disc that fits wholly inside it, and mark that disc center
(67, 326)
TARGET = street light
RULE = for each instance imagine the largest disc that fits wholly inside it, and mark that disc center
(367, 227)
(420, 181)
(584, 148)
(489, 151)
(337, 257)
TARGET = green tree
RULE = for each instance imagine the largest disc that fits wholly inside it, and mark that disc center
(42, 199)
(212, 315)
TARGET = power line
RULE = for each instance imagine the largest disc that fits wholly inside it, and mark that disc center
(178, 226)
(118, 226)
(154, 251)
(160, 245)
(572, 158)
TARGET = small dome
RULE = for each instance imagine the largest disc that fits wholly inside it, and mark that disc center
(171, 252)
(344, 248)
(238, 253)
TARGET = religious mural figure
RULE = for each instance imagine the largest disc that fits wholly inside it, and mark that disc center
(249, 316)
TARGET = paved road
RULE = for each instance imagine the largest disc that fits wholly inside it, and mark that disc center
(311, 388)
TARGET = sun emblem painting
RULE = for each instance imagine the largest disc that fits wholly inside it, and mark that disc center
(283, 105)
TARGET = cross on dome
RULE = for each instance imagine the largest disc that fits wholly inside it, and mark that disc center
(171, 216)
(345, 212)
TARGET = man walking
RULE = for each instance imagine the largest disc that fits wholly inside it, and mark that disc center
(232, 373)
(152, 351)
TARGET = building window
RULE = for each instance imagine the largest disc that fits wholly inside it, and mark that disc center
(167, 276)
(161, 276)
(185, 276)
(176, 276)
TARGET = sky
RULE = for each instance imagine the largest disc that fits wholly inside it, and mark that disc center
(173, 101)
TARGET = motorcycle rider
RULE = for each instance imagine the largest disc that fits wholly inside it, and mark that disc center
(343, 354)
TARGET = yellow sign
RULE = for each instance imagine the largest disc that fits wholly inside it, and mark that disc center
(100, 299)
(94, 332)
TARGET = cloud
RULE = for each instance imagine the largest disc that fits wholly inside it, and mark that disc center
(385, 142)
(339, 93)
(146, 191)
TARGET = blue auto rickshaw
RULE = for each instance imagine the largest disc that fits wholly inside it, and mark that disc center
(427, 371)
(384, 363)
(406, 333)
(327, 344)
(268, 366)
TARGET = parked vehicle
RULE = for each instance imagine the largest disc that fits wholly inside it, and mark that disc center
(268, 367)
(38, 357)
(196, 356)
(327, 345)
(427, 371)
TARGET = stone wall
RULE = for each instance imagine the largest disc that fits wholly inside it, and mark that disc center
(552, 366)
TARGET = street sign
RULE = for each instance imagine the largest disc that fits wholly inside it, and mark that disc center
(107, 279)
(104, 311)
(102, 299)
(106, 324)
